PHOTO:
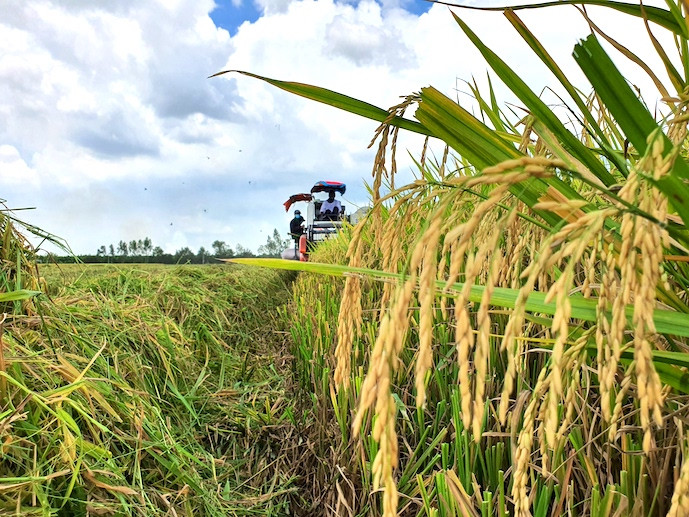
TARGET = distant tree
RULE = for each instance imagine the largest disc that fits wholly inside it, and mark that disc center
(158, 251)
(122, 249)
(147, 246)
(112, 250)
(183, 256)
(133, 248)
(221, 250)
(274, 245)
(101, 252)
(202, 255)
(241, 251)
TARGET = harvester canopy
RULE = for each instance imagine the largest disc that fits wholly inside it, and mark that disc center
(325, 186)
(296, 198)
(320, 186)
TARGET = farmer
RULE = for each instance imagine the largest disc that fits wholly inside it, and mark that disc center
(296, 226)
(331, 208)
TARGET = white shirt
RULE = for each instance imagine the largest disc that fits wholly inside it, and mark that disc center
(331, 205)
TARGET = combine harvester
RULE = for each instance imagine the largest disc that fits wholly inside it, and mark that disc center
(318, 227)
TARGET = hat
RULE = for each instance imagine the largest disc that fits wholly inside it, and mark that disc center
(297, 212)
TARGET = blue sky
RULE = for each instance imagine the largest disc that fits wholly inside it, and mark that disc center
(230, 15)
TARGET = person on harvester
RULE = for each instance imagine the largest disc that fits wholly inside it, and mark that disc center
(296, 228)
(331, 208)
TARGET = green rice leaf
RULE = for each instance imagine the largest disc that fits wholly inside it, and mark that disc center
(656, 15)
(19, 294)
(614, 156)
(633, 117)
(666, 322)
(338, 100)
(482, 146)
(539, 109)
(462, 131)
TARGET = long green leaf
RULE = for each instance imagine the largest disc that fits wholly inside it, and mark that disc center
(657, 15)
(632, 116)
(615, 157)
(616, 94)
(479, 144)
(482, 146)
(539, 109)
(666, 322)
(338, 100)
(19, 294)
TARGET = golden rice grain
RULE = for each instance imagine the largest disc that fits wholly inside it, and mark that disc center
(521, 459)
(482, 355)
(426, 297)
(680, 495)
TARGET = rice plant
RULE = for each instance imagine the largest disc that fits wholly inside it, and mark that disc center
(512, 328)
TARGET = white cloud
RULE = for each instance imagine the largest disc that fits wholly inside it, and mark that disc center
(106, 112)
(14, 170)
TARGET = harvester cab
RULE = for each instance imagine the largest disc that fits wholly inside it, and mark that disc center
(322, 219)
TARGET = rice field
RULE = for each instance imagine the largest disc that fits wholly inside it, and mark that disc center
(148, 390)
(506, 335)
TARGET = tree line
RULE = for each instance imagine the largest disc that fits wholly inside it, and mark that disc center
(143, 250)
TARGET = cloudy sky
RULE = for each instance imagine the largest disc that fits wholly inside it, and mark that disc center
(111, 129)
